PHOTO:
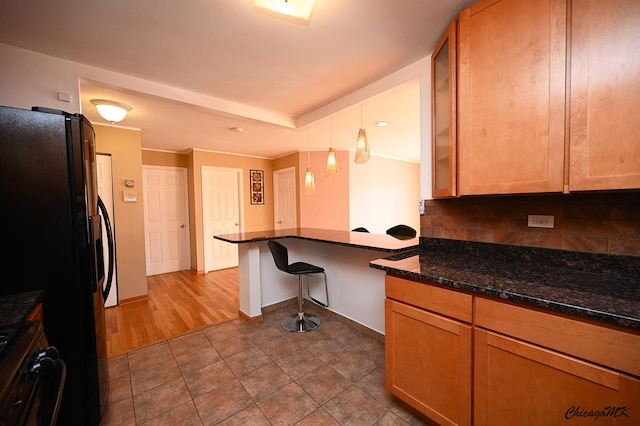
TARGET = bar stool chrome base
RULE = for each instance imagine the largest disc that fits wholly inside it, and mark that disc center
(300, 324)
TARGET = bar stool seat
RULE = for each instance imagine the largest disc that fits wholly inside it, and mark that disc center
(300, 322)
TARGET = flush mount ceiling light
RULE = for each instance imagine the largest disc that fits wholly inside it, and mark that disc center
(382, 123)
(293, 10)
(111, 111)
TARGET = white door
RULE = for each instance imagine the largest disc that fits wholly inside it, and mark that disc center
(284, 198)
(105, 191)
(221, 212)
(166, 221)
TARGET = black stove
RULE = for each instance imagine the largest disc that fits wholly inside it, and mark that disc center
(31, 376)
(6, 337)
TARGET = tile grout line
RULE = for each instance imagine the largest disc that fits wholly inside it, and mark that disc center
(244, 331)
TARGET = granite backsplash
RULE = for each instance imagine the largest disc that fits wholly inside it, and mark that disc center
(585, 222)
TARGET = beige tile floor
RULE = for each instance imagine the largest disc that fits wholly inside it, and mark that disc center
(237, 373)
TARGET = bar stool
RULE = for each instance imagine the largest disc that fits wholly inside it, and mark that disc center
(400, 231)
(360, 229)
(301, 321)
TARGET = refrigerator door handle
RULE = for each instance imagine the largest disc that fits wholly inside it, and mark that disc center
(107, 223)
(97, 264)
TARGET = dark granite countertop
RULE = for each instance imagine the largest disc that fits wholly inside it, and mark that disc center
(17, 307)
(595, 286)
(381, 242)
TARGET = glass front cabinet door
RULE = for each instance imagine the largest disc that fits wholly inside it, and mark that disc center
(443, 98)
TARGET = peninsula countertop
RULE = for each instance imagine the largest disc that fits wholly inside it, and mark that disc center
(380, 242)
(593, 286)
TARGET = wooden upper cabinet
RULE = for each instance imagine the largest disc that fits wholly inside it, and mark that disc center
(605, 95)
(443, 103)
(511, 96)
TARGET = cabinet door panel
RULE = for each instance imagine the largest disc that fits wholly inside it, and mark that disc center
(428, 362)
(511, 97)
(443, 108)
(519, 383)
(605, 95)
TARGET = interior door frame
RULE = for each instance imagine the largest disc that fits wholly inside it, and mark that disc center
(240, 176)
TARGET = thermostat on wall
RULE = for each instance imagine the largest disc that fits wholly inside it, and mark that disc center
(129, 196)
(128, 183)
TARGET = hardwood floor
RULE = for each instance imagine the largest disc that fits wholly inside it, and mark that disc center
(178, 302)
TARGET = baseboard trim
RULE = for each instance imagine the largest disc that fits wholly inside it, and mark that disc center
(250, 320)
(133, 299)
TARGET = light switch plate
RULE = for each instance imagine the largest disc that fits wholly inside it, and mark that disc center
(129, 196)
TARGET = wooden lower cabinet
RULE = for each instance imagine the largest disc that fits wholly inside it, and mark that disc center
(528, 367)
(516, 383)
(428, 361)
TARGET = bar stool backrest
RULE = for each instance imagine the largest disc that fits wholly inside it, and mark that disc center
(360, 229)
(280, 255)
(402, 230)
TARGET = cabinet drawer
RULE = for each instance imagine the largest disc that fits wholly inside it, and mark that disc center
(612, 348)
(445, 302)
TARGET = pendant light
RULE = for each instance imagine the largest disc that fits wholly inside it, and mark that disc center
(332, 161)
(309, 181)
(362, 147)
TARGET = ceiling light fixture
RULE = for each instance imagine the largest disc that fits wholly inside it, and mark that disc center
(309, 181)
(362, 146)
(382, 123)
(332, 161)
(296, 10)
(111, 111)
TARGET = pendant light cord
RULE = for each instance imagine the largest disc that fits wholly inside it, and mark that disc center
(308, 150)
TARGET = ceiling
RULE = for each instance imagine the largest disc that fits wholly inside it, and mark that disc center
(205, 67)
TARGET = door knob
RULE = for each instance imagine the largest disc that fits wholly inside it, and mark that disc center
(279, 221)
(182, 226)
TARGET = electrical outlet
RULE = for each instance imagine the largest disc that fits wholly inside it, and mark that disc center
(540, 221)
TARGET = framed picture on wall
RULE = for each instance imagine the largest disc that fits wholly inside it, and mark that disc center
(256, 182)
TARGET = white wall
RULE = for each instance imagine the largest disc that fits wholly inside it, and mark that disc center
(29, 79)
(383, 192)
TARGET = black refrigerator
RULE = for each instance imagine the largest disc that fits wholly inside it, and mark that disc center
(51, 240)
